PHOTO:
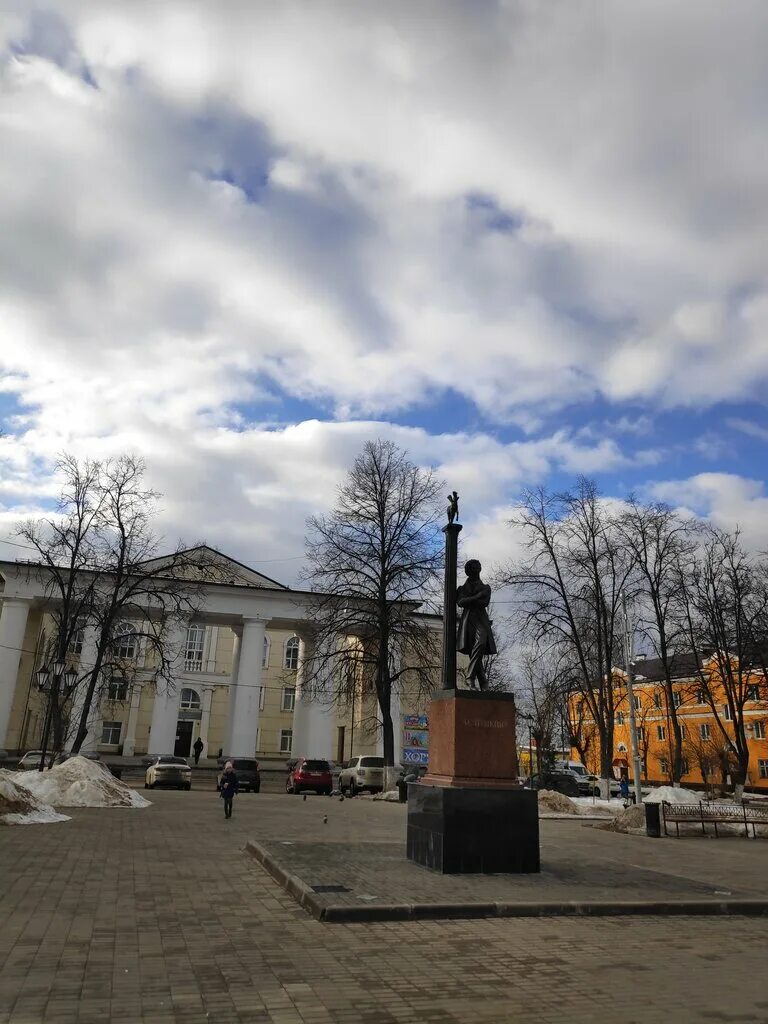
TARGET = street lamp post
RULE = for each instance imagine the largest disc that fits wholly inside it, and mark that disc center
(48, 682)
(629, 668)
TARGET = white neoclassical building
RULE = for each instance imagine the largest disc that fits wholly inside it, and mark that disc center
(236, 683)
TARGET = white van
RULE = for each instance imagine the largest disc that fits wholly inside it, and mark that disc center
(571, 766)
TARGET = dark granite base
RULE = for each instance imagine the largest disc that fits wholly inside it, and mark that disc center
(473, 831)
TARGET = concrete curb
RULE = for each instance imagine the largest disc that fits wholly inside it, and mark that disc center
(342, 913)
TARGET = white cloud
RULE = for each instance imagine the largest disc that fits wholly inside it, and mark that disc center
(728, 500)
(202, 204)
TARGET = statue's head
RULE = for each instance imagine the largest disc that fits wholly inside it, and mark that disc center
(473, 568)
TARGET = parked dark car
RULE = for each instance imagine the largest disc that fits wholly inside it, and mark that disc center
(560, 782)
(309, 773)
(247, 771)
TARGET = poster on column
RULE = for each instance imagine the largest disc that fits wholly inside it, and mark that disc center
(415, 739)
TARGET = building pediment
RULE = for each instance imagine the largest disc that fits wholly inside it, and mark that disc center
(211, 566)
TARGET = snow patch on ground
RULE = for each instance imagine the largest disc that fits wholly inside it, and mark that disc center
(80, 782)
(549, 800)
(631, 821)
(18, 806)
(673, 795)
(391, 796)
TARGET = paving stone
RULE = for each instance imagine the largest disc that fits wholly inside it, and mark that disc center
(159, 917)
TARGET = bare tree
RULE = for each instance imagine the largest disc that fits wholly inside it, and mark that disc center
(372, 561)
(722, 605)
(569, 592)
(658, 539)
(98, 559)
(541, 688)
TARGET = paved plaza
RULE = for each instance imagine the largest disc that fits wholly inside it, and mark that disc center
(160, 916)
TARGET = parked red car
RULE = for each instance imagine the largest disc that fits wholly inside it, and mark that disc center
(307, 773)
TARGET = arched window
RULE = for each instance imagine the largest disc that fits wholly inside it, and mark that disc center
(265, 659)
(622, 748)
(190, 700)
(291, 658)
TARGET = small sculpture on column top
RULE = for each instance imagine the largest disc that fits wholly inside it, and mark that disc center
(453, 507)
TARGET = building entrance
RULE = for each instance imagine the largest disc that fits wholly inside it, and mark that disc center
(183, 739)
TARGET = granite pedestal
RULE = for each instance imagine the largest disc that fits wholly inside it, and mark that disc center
(468, 815)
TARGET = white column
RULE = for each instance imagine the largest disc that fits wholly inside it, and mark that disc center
(85, 664)
(322, 714)
(300, 723)
(165, 710)
(205, 718)
(246, 686)
(236, 647)
(129, 740)
(13, 625)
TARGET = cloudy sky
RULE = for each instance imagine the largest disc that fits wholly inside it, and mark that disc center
(524, 240)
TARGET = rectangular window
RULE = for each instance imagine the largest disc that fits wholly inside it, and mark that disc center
(682, 731)
(677, 698)
(684, 766)
(704, 731)
(637, 703)
(76, 643)
(619, 718)
(125, 643)
(759, 731)
(753, 692)
(700, 698)
(194, 650)
(657, 699)
(289, 698)
(262, 695)
(641, 732)
(664, 765)
(727, 713)
(762, 767)
(661, 732)
(110, 732)
(286, 740)
(117, 690)
(265, 658)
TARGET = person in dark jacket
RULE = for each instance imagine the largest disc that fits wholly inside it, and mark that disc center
(228, 787)
(624, 789)
(198, 749)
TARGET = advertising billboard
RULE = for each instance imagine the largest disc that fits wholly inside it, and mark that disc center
(415, 739)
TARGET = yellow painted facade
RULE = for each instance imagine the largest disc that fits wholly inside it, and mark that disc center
(704, 747)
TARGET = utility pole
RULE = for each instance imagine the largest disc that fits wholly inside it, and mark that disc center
(629, 669)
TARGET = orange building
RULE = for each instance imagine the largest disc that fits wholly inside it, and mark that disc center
(706, 757)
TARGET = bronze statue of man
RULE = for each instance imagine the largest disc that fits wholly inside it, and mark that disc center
(475, 637)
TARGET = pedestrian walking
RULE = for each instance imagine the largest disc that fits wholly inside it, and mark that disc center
(198, 749)
(624, 790)
(228, 787)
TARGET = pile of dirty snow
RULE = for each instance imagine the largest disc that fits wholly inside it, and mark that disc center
(631, 821)
(392, 796)
(18, 806)
(551, 801)
(673, 795)
(80, 782)
(594, 807)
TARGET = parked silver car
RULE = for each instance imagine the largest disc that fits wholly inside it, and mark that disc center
(362, 772)
(167, 770)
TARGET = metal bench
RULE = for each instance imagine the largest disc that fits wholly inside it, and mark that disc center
(714, 814)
